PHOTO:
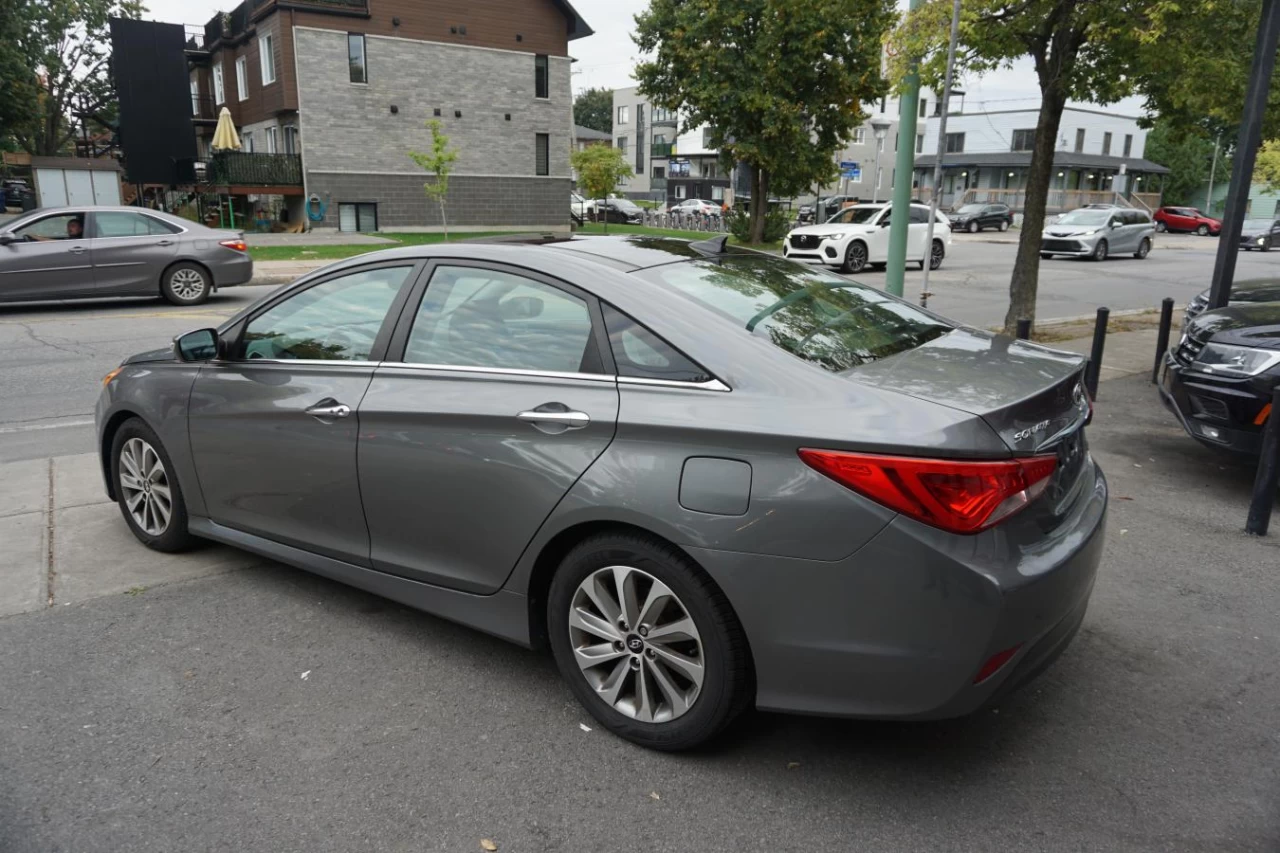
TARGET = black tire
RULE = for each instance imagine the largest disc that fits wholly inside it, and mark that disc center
(1161, 227)
(1004, 225)
(1266, 245)
(974, 228)
(935, 257)
(175, 536)
(1144, 249)
(728, 684)
(1203, 230)
(1100, 251)
(855, 257)
(179, 284)
(1046, 256)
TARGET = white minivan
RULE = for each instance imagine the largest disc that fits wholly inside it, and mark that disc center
(858, 236)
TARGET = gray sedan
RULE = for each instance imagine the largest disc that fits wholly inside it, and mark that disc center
(91, 252)
(706, 478)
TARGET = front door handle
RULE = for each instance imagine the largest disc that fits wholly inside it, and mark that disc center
(327, 409)
(77, 250)
(571, 420)
(165, 243)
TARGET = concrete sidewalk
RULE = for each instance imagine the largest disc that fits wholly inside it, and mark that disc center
(64, 540)
(283, 272)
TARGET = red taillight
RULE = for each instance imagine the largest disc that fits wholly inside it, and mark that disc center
(238, 245)
(957, 496)
(994, 663)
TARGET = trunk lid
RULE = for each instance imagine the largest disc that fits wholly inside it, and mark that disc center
(1031, 396)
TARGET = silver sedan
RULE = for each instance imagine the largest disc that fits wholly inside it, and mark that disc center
(91, 252)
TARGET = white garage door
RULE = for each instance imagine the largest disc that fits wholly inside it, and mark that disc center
(53, 190)
(106, 188)
(79, 188)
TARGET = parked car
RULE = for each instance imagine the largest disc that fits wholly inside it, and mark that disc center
(1260, 234)
(1218, 379)
(1242, 293)
(827, 208)
(706, 477)
(90, 252)
(620, 210)
(979, 217)
(696, 206)
(1186, 219)
(1098, 233)
(858, 236)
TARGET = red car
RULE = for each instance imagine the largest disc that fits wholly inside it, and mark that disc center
(1186, 219)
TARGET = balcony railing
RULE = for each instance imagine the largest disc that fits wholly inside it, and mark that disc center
(203, 108)
(261, 170)
(663, 149)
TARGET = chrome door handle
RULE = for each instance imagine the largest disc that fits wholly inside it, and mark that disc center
(165, 243)
(573, 420)
(329, 409)
(76, 250)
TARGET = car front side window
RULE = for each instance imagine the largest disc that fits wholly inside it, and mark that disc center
(64, 226)
(487, 318)
(336, 320)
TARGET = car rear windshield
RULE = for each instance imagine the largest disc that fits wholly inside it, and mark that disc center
(817, 316)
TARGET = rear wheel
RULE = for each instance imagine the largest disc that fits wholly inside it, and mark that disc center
(1004, 225)
(1099, 251)
(647, 643)
(1144, 248)
(1203, 230)
(935, 257)
(186, 284)
(1045, 256)
(855, 258)
(147, 490)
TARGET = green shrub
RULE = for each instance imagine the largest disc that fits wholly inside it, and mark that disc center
(777, 223)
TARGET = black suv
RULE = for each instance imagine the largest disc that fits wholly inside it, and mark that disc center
(980, 217)
(1219, 377)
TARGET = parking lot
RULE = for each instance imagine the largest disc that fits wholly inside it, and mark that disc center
(218, 701)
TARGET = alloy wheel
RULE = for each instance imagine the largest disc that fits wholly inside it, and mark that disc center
(1100, 253)
(1004, 225)
(636, 644)
(145, 485)
(855, 257)
(1161, 227)
(187, 283)
(1203, 230)
(935, 257)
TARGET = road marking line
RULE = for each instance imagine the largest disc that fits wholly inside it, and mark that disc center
(34, 427)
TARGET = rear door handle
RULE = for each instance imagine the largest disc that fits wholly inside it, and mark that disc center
(165, 243)
(572, 420)
(326, 409)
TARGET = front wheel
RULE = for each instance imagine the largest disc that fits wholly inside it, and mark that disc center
(1100, 251)
(1203, 230)
(186, 284)
(1161, 227)
(855, 258)
(1266, 245)
(1004, 225)
(1144, 249)
(973, 228)
(147, 489)
(647, 642)
(936, 256)
(1046, 256)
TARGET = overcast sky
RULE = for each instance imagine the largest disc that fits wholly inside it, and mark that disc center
(606, 58)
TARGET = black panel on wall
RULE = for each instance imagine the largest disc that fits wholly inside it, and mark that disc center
(157, 138)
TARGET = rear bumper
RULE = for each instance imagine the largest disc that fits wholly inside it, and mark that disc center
(902, 628)
(235, 269)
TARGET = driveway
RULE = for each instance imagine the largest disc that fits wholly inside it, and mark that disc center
(214, 701)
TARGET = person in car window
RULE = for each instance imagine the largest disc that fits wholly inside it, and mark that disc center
(75, 230)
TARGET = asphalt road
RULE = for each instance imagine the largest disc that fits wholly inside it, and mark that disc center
(268, 710)
(52, 356)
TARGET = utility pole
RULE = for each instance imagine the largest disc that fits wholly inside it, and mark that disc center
(900, 218)
(1213, 167)
(1255, 105)
(942, 148)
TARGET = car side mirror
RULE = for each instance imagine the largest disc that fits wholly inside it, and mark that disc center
(200, 345)
(7, 238)
(521, 308)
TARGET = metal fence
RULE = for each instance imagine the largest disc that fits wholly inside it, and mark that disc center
(254, 169)
(711, 223)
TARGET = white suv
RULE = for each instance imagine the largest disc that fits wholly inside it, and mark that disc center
(858, 236)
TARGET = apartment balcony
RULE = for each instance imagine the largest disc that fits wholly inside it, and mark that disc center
(666, 121)
(239, 169)
(203, 110)
(662, 149)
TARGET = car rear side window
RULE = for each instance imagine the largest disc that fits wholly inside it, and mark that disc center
(125, 224)
(476, 317)
(816, 316)
(336, 320)
(640, 354)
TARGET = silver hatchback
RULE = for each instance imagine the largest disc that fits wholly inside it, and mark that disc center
(91, 252)
(1099, 232)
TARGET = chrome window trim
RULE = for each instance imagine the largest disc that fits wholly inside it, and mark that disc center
(502, 371)
(328, 362)
(709, 385)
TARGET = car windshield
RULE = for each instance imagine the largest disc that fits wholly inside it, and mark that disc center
(854, 216)
(971, 208)
(819, 317)
(1085, 217)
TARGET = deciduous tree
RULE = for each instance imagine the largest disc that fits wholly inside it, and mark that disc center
(780, 82)
(1188, 154)
(593, 108)
(439, 163)
(600, 169)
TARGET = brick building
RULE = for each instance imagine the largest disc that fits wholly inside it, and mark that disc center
(339, 91)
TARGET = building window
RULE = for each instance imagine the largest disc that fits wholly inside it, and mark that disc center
(717, 193)
(661, 114)
(219, 92)
(290, 139)
(242, 78)
(1128, 144)
(1079, 139)
(707, 134)
(270, 134)
(1106, 143)
(267, 54)
(541, 81)
(860, 136)
(246, 142)
(924, 107)
(195, 97)
(919, 143)
(357, 216)
(955, 143)
(624, 115)
(680, 190)
(542, 148)
(659, 171)
(1023, 140)
(356, 59)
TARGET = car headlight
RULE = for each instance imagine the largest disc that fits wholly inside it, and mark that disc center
(836, 235)
(1260, 240)
(1230, 360)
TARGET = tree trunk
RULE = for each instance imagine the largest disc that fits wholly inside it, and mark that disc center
(759, 203)
(444, 221)
(1026, 267)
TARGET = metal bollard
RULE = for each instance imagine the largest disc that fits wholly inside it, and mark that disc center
(1268, 476)
(1162, 339)
(1094, 370)
(1024, 329)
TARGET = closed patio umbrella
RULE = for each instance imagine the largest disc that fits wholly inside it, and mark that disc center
(225, 137)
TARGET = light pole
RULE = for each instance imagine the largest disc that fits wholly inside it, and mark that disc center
(880, 128)
(942, 149)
